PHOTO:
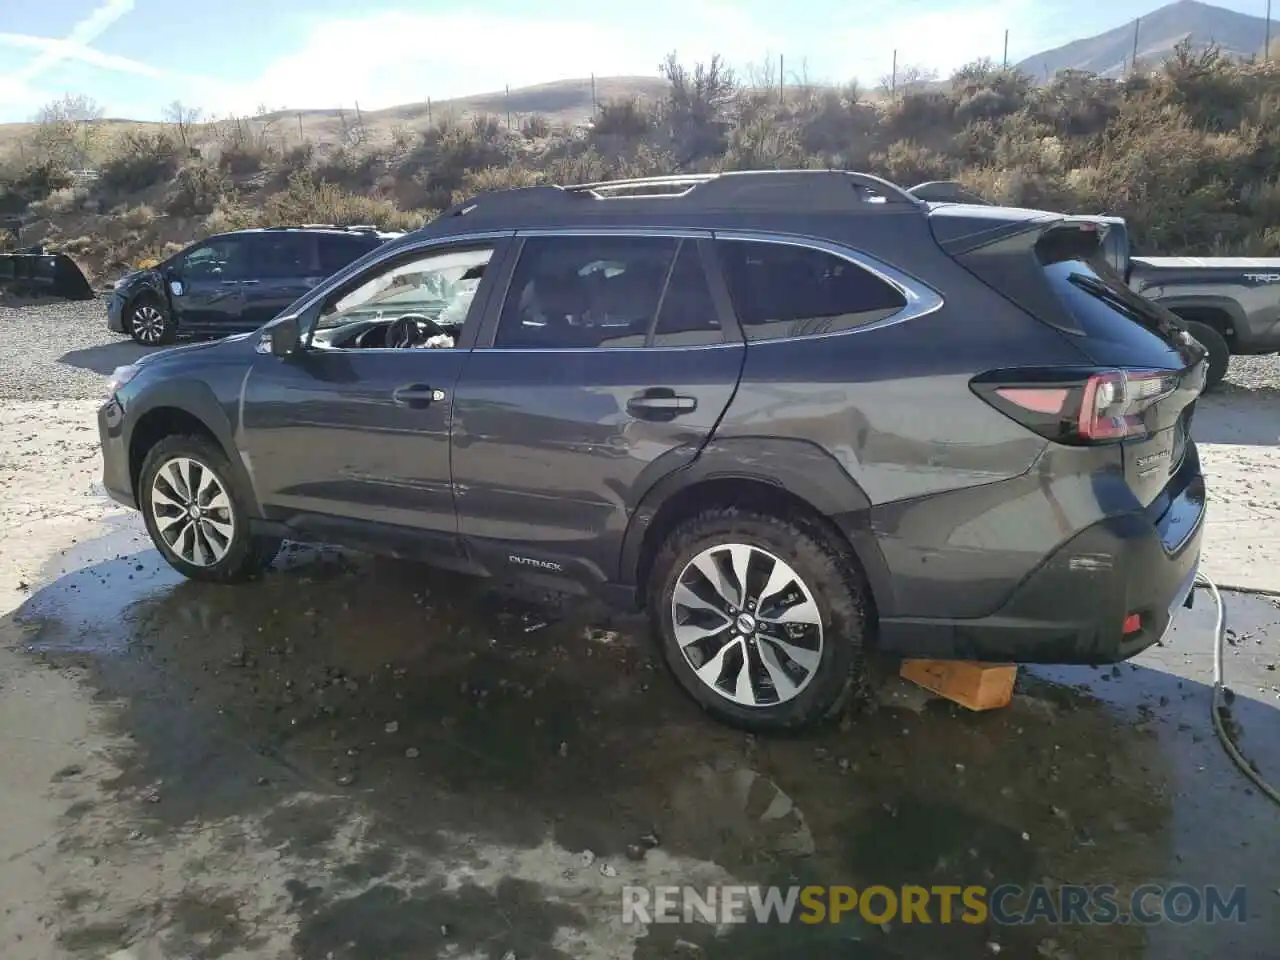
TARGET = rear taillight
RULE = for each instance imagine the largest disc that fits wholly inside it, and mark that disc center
(1077, 406)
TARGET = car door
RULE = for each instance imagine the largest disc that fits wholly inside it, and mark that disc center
(348, 429)
(283, 265)
(204, 286)
(605, 367)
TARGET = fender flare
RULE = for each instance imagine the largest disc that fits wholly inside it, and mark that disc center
(157, 293)
(800, 467)
(197, 399)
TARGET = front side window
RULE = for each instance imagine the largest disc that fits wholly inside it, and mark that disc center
(418, 300)
(781, 290)
(221, 257)
(573, 292)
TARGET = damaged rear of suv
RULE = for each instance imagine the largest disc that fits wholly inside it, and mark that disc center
(796, 415)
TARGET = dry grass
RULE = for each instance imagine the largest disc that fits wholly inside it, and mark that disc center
(1189, 154)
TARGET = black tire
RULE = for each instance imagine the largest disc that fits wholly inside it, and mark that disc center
(246, 555)
(832, 580)
(1219, 352)
(149, 323)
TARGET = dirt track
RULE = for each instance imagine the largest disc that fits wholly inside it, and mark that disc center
(369, 760)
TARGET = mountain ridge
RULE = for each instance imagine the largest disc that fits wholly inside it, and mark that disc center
(1110, 53)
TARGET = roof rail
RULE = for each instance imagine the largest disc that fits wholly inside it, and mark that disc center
(828, 190)
(783, 187)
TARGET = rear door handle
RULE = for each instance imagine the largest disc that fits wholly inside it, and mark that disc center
(660, 403)
(245, 282)
(417, 395)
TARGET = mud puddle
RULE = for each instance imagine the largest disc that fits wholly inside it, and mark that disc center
(450, 771)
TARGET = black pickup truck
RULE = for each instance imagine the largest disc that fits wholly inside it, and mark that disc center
(1230, 304)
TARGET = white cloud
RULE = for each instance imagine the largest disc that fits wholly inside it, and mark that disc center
(69, 50)
(390, 58)
(393, 57)
(81, 36)
(16, 87)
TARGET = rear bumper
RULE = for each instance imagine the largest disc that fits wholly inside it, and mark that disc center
(1073, 607)
(115, 313)
(115, 454)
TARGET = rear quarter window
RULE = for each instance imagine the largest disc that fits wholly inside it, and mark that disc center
(781, 290)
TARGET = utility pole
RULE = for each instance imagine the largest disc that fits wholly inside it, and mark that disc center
(1005, 64)
(508, 106)
(893, 77)
(1136, 24)
(301, 138)
(1266, 45)
(428, 111)
(782, 76)
(595, 104)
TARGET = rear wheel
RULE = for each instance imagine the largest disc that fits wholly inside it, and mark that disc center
(1219, 351)
(196, 517)
(149, 323)
(759, 618)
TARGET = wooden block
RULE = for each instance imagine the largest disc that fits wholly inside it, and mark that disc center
(978, 686)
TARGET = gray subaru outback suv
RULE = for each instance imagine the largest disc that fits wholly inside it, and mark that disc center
(798, 416)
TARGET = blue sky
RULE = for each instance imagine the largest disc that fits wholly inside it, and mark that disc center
(134, 56)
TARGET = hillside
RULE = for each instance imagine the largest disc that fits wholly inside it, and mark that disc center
(563, 101)
(1108, 54)
(1188, 152)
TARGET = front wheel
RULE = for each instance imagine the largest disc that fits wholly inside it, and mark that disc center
(149, 323)
(760, 618)
(1219, 351)
(196, 517)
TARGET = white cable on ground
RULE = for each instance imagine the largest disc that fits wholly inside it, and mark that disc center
(1219, 686)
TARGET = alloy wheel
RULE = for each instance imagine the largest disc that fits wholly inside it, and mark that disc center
(192, 511)
(747, 624)
(148, 323)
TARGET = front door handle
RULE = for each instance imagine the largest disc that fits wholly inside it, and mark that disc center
(417, 395)
(660, 403)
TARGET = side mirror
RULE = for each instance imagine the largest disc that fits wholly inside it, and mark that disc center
(281, 338)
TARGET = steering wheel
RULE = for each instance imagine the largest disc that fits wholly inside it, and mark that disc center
(406, 330)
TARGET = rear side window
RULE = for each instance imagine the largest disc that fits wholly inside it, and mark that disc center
(780, 290)
(281, 256)
(336, 251)
(575, 292)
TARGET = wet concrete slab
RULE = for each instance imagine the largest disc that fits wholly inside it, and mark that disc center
(495, 769)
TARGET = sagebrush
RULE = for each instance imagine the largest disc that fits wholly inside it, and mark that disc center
(1188, 152)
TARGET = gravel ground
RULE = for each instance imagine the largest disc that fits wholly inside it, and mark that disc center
(62, 350)
(56, 350)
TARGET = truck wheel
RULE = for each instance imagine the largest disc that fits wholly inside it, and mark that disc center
(760, 619)
(1219, 352)
(148, 322)
(195, 514)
